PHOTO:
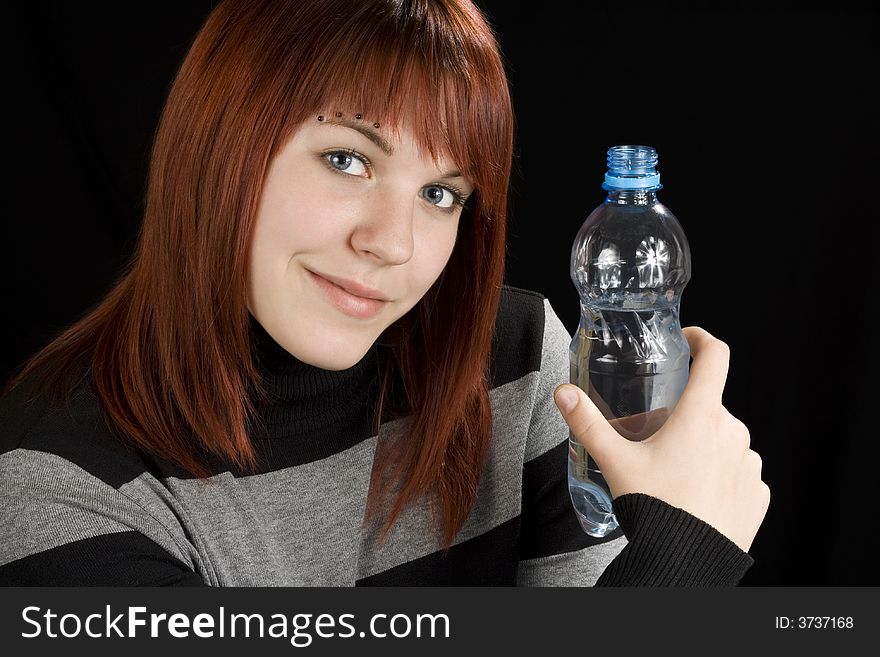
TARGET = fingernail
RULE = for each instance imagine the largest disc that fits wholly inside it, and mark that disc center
(566, 398)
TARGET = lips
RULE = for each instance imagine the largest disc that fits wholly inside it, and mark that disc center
(355, 288)
(350, 304)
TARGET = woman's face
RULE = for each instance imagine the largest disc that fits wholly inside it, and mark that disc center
(346, 200)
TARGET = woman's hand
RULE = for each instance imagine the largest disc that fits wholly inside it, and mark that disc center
(699, 460)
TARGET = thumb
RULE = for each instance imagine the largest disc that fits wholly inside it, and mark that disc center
(588, 426)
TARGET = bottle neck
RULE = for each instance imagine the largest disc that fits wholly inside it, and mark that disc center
(631, 197)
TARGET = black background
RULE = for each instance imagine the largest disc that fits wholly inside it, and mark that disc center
(767, 133)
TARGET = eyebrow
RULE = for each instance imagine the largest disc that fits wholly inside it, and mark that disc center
(379, 141)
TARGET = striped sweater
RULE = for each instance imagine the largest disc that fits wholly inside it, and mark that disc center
(80, 508)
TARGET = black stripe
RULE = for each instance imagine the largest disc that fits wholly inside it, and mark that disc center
(79, 435)
(485, 560)
(549, 524)
(73, 431)
(519, 332)
(119, 559)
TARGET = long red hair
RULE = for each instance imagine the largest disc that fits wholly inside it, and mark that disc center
(167, 350)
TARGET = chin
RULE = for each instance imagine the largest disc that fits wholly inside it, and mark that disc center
(335, 364)
(335, 359)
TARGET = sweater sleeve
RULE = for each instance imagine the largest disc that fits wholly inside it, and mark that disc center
(670, 547)
(656, 544)
(65, 527)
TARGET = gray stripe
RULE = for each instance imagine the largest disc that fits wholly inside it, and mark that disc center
(547, 427)
(499, 493)
(580, 568)
(294, 527)
(47, 501)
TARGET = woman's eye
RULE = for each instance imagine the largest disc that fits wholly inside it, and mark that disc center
(351, 163)
(439, 196)
(347, 163)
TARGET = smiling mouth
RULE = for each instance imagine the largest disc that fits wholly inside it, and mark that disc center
(354, 288)
(346, 302)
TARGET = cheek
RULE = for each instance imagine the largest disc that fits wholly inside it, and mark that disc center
(433, 256)
(297, 217)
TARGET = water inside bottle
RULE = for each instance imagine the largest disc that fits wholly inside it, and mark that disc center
(634, 367)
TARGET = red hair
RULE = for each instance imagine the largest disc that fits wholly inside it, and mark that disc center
(168, 349)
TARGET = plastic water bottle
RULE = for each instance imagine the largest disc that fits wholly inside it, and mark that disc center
(630, 262)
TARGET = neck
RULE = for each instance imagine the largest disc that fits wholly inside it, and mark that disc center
(305, 398)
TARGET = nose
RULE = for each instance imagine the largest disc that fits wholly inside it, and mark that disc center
(386, 227)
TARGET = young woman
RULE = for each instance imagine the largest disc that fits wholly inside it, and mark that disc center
(311, 372)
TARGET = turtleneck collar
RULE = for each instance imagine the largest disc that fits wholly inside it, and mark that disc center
(307, 398)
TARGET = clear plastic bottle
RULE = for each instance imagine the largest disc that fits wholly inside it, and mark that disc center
(630, 262)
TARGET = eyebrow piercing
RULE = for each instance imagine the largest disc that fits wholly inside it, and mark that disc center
(357, 116)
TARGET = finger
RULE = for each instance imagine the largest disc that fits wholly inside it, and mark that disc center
(588, 426)
(708, 373)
